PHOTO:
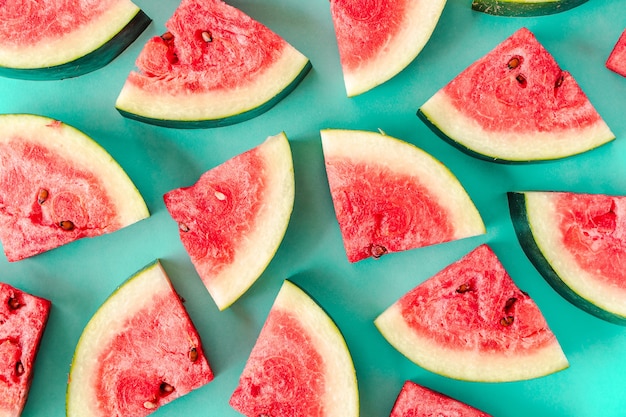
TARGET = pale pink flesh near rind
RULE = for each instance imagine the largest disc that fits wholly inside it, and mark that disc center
(23, 319)
(470, 321)
(616, 61)
(415, 400)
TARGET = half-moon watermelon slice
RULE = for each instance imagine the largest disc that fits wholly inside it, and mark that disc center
(300, 365)
(23, 319)
(139, 351)
(214, 66)
(616, 61)
(416, 400)
(524, 8)
(56, 39)
(391, 196)
(471, 322)
(578, 243)
(378, 39)
(57, 185)
(516, 105)
(233, 219)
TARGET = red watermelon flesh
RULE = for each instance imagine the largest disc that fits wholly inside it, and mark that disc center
(617, 59)
(23, 318)
(470, 321)
(416, 400)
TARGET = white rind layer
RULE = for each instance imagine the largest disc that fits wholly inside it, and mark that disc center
(543, 221)
(58, 50)
(469, 365)
(403, 158)
(511, 145)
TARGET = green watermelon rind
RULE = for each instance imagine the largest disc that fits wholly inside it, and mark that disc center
(133, 104)
(519, 8)
(523, 227)
(440, 115)
(91, 61)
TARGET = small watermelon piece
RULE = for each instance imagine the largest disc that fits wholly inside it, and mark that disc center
(139, 351)
(516, 105)
(57, 185)
(471, 322)
(214, 66)
(378, 39)
(299, 366)
(524, 8)
(23, 319)
(416, 400)
(616, 61)
(576, 241)
(56, 39)
(233, 219)
(391, 196)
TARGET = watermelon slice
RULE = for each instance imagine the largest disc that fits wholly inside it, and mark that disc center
(471, 322)
(378, 39)
(300, 365)
(233, 219)
(57, 185)
(516, 105)
(617, 59)
(23, 319)
(524, 8)
(214, 66)
(138, 352)
(391, 196)
(416, 400)
(56, 39)
(577, 242)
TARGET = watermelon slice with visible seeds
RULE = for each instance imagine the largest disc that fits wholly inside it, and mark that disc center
(576, 241)
(416, 400)
(300, 365)
(516, 105)
(617, 59)
(378, 39)
(57, 185)
(56, 39)
(471, 322)
(391, 196)
(523, 8)
(139, 351)
(214, 66)
(23, 319)
(233, 219)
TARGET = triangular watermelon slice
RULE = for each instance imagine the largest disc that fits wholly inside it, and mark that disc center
(23, 319)
(233, 219)
(300, 365)
(524, 8)
(139, 351)
(616, 61)
(471, 322)
(214, 66)
(516, 104)
(57, 185)
(391, 196)
(378, 39)
(576, 241)
(415, 400)
(56, 39)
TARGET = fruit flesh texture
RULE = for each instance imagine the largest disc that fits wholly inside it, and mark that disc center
(416, 400)
(617, 59)
(23, 318)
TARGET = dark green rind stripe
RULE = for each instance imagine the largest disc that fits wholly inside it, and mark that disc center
(226, 121)
(94, 60)
(521, 9)
(523, 230)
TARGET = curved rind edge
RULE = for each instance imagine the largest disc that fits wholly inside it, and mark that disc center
(524, 9)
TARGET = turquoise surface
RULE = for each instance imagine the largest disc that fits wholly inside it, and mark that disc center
(78, 277)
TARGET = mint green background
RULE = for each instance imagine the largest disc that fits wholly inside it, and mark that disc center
(79, 276)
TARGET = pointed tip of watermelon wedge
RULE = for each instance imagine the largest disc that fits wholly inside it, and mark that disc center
(524, 8)
(253, 193)
(616, 61)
